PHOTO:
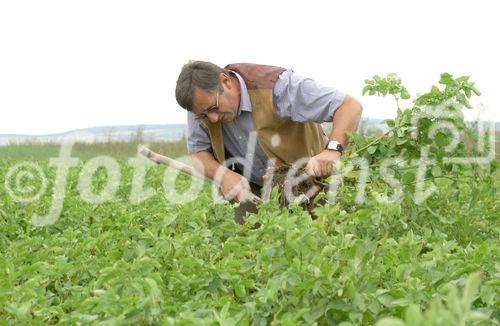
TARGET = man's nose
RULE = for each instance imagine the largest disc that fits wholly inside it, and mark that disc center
(213, 117)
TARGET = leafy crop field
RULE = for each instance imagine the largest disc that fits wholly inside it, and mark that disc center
(420, 248)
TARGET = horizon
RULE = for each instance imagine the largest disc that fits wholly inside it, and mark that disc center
(151, 125)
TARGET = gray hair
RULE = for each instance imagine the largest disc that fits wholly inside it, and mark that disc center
(201, 74)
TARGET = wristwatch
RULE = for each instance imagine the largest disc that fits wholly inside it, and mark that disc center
(334, 145)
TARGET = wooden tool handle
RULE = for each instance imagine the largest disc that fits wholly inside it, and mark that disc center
(161, 159)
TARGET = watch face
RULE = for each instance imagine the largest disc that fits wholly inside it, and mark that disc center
(334, 145)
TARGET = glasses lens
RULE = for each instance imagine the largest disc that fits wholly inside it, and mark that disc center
(214, 108)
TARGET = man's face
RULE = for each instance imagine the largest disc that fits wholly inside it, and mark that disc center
(217, 107)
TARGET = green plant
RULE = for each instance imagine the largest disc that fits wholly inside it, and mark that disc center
(164, 262)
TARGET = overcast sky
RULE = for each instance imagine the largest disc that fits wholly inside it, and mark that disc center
(76, 64)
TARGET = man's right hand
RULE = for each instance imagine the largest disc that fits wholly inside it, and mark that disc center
(235, 187)
(232, 185)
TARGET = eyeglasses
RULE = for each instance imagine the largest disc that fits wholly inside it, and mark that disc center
(211, 109)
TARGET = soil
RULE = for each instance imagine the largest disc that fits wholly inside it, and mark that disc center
(299, 182)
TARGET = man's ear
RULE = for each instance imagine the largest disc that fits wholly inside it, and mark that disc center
(225, 80)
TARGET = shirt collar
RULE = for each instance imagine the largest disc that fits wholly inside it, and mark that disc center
(245, 104)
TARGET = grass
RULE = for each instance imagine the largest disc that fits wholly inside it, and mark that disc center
(85, 151)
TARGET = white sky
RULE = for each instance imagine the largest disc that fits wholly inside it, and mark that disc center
(75, 64)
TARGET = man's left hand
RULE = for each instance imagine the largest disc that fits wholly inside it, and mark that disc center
(321, 165)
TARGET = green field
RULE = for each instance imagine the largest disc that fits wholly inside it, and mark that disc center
(85, 151)
(420, 247)
(189, 263)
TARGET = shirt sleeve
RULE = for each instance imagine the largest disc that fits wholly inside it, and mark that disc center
(304, 100)
(198, 138)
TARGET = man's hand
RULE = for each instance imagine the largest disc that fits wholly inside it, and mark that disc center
(235, 186)
(321, 165)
